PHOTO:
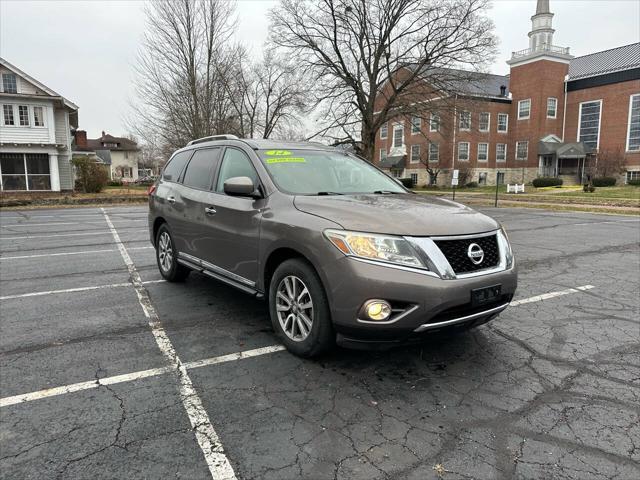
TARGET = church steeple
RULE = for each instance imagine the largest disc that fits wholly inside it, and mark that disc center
(543, 7)
(541, 33)
(541, 38)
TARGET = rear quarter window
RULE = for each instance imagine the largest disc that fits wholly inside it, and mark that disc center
(173, 169)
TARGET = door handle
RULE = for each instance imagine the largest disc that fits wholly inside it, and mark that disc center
(171, 199)
(210, 211)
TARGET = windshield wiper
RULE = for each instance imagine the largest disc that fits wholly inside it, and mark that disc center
(385, 192)
(329, 193)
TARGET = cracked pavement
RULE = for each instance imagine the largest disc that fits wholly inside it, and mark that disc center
(549, 389)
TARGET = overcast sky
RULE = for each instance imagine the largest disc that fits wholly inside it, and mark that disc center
(85, 50)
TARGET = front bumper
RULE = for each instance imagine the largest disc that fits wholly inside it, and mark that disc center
(422, 303)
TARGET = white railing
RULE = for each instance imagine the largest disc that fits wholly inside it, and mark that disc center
(545, 47)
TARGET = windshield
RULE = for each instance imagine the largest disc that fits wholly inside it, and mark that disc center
(311, 172)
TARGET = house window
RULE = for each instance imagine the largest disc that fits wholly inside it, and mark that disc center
(109, 145)
(9, 83)
(465, 120)
(500, 178)
(552, 107)
(589, 125)
(384, 131)
(463, 151)
(482, 178)
(485, 119)
(126, 155)
(38, 116)
(434, 152)
(22, 171)
(635, 175)
(633, 134)
(434, 122)
(414, 179)
(524, 109)
(7, 114)
(415, 153)
(23, 115)
(416, 124)
(398, 135)
(503, 122)
(522, 150)
(383, 154)
(483, 152)
(501, 152)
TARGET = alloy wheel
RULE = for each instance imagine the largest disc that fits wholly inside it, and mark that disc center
(165, 252)
(294, 308)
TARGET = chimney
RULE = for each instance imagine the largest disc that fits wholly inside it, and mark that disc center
(102, 134)
(503, 91)
(81, 138)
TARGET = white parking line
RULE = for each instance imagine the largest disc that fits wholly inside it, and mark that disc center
(82, 252)
(208, 439)
(76, 387)
(21, 224)
(129, 377)
(74, 290)
(52, 235)
(546, 296)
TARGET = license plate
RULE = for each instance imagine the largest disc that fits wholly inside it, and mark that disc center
(482, 296)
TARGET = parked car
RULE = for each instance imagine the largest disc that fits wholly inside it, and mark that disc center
(340, 250)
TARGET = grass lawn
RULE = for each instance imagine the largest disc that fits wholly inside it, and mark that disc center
(602, 193)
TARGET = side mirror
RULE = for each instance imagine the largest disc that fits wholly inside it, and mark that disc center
(240, 187)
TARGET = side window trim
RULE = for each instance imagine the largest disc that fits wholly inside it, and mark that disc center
(219, 169)
(214, 173)
(179, 179)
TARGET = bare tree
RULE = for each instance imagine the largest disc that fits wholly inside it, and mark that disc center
(400, 51)
(610, 163)
(184, 50)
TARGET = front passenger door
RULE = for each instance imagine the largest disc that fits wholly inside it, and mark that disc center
(235, 225)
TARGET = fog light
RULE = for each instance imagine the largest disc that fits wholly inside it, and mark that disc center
(377, 309)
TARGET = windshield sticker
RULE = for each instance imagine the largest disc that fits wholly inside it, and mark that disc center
(286, 160)
(277, 153)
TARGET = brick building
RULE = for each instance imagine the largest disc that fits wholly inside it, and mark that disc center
(553, 115)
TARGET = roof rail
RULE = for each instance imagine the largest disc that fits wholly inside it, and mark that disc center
(226, 136)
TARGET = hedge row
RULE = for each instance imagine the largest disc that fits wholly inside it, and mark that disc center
(604, 182)
(547, 182)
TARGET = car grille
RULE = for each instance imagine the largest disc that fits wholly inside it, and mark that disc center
(456, 253)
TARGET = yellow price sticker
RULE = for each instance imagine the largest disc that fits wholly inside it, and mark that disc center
(286, 160)
(277, 152)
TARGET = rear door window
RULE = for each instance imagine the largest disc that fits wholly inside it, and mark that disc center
(172, 170)
(235, 164)
(201, 169)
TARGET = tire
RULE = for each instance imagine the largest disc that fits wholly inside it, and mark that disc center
(166, 254)
(291, 279)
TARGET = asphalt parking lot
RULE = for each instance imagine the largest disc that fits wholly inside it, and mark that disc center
(106, 371)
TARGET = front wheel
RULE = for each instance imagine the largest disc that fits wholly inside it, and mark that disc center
(166, 256)
(299, 309)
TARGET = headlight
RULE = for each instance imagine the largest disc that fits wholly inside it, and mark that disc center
(504, 243)
(371, 246)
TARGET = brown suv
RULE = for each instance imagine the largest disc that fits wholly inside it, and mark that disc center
(340, 249)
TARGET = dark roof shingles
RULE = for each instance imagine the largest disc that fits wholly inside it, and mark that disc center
(607, 61)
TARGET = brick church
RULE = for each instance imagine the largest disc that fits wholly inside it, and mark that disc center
(553, 115)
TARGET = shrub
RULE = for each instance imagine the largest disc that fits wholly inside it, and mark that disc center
(471, 185)
(115, 183)
(635, 183)
(92, 177)
(546, 182)
(588, 188)
(604, 181)
(407, 182)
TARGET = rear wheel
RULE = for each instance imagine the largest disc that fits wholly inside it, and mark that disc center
(166, 256)
(299, 309)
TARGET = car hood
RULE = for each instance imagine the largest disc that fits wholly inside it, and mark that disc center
(399, 214)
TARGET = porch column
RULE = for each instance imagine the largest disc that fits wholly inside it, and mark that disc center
(54, 173)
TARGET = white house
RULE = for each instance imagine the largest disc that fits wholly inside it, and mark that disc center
(35, 134)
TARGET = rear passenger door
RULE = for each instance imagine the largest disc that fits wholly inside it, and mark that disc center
(191, 198)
